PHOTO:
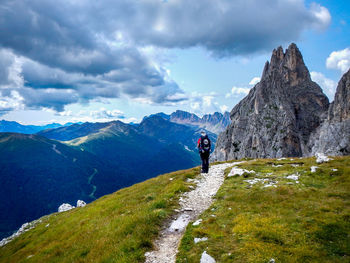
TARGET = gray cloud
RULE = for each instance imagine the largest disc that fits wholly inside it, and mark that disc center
(94, 49)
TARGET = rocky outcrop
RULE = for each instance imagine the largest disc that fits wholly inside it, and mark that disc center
(278, 115)
(333, 136)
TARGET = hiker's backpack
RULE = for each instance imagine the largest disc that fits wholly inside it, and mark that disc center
(205, 144)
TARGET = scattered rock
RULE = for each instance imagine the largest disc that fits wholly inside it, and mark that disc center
(197, 222)
(277, 165)
(205, 258)
(197, 239)
(65, 207)
(180, 223)
(270, 185)
(272, 260)
(199, 200)
(334, 170)
(294, 177)
(81, 203)
(321, 158)
(239, 171)
(313, 169)
(24, 228)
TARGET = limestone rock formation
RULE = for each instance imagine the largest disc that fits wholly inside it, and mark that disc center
(278, 115)
(333, 136)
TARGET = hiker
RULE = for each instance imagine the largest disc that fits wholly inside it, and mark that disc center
(204, 147)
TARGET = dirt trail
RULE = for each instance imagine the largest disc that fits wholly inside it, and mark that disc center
(192, 204)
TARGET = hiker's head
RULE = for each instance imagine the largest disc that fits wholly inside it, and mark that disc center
(203, 133)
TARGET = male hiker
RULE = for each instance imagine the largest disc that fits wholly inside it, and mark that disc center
(204, 147)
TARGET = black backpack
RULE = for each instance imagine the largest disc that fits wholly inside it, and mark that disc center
(205, 144)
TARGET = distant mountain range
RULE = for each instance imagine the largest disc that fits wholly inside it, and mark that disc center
(85, 161)
(38, 174)
(214, 123)
(12, 126)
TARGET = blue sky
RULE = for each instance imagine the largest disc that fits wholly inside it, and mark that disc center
(81, 61)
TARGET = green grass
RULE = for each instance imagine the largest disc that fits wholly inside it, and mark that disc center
(119, 227)
(304, 222)
(307, 221)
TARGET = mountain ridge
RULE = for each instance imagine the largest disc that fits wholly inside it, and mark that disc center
(279, 116)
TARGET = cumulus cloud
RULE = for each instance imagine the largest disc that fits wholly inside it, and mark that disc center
(322, 17)
(255, 81)
(87, 50)
(237, 91)
(103, 113)
(224, 108)
(329, 86)
(339, 60)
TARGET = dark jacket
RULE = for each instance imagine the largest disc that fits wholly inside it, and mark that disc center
(200, 144)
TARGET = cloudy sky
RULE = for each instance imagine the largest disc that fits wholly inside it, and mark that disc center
(77, 60)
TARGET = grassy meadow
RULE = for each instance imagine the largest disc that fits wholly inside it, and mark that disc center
(118, 227)
(299, 218)
(304, 220)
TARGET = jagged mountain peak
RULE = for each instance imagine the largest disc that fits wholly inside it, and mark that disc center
(289, 63)
(278, 115)
(340, 108)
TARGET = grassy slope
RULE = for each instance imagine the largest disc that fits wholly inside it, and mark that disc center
(305, 222)
(116, 228)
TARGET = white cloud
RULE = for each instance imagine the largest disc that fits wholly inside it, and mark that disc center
(329, 86)
(339, 60)
(223, 108)
(103, 113)
(255, 81)
(237, 91)
(321, 15)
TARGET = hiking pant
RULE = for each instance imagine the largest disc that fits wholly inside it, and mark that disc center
(205, 162)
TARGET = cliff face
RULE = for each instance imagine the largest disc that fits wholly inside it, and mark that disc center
(333, 136)
(278, 115)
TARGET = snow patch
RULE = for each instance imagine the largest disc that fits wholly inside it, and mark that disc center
(197, 239)
(205, 258)
(334, 170)
(280, 159)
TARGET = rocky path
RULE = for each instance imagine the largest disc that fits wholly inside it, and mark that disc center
(192, 204)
